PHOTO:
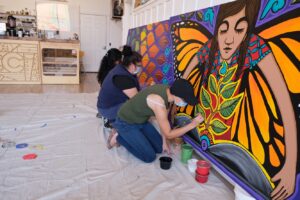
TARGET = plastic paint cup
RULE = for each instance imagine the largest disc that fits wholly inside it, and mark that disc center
(186, 153)
(192, 165)
(165, 162)
(201, 178)
(203, 167)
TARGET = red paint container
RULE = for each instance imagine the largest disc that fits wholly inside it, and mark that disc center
(203, 167)
(201, 178)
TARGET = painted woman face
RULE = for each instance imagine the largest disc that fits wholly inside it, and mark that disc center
(231, 33)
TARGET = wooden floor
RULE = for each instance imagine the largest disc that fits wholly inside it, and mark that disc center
(88, 84)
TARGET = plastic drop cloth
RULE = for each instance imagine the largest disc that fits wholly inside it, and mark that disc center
(73, 161)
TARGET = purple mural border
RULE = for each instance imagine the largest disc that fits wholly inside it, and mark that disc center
(252, 192)
(270, 15)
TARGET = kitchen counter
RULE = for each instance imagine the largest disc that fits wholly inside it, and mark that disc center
(20, 61)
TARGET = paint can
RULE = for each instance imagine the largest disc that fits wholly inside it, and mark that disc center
(203, 167)
(165, 162)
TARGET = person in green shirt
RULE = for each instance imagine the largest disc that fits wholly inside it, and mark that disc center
(137, 134)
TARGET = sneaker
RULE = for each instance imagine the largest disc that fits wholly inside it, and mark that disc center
(106, 123)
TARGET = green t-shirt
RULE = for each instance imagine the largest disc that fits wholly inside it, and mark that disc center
(136, 110)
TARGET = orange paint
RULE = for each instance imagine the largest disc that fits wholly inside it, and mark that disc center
(192, 34)
(273, 156)
(260, 111)
(290, 72)
(153, 51)
(287, 26)
(279, 129)
(280, 146)
(268, 95)
(159, 30)
(150, 39)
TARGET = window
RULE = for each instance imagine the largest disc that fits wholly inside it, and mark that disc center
(53, 16)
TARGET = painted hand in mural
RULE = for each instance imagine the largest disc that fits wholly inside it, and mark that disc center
(286, 177)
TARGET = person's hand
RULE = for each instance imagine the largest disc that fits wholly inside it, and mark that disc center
(197, 120)
(286, 177)
(166, 147)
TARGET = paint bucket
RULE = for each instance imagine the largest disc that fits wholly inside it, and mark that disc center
(186, 153)
(201, 178)
(203, 167)
(165, 162)
(192, 165)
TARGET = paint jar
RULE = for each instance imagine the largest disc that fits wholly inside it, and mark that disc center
(192, 165)
(203, 167)
(186, 153)
(201, 178)
(165, 162)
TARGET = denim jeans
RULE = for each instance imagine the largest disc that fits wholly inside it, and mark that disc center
(110, 113)
(142, 140)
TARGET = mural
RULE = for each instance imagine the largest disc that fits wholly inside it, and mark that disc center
(153, 42)
(243, 59)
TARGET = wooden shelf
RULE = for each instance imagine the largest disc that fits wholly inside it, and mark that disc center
(60, 63)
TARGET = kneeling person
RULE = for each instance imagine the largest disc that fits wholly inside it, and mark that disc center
(137, 134)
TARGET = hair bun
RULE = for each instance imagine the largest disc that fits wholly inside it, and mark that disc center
(127, 51)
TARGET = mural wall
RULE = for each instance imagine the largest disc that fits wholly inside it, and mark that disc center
(243, 59)
(153, 42)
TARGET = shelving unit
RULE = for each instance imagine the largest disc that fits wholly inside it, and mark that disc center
(25, 22)
(60, 63)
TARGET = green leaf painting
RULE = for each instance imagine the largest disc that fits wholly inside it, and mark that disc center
(212, 84)
(228, 90)
(228, 106)
(228, 76)
(199, 109)
(205, 98)
(218, 126)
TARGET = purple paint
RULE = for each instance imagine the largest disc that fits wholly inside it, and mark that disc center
(296, 194)
(270, 16)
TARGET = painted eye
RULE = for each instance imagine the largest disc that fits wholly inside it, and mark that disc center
(223, 31)
(240, 30)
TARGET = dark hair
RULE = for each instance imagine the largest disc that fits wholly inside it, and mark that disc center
(108, 62)
(230, 9)
(130, 57)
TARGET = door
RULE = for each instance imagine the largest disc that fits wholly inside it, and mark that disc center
(93, 40)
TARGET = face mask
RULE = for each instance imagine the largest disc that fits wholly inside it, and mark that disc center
(138, 69)
(181, 104)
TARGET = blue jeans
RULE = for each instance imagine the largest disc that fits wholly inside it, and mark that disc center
(142, 140)
(110, 113)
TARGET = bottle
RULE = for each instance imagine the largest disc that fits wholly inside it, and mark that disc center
(20, 33)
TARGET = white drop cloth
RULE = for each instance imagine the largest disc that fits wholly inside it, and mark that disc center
(75, 163)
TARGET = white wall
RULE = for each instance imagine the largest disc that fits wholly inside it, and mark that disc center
(159, 10)
(96, 7)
